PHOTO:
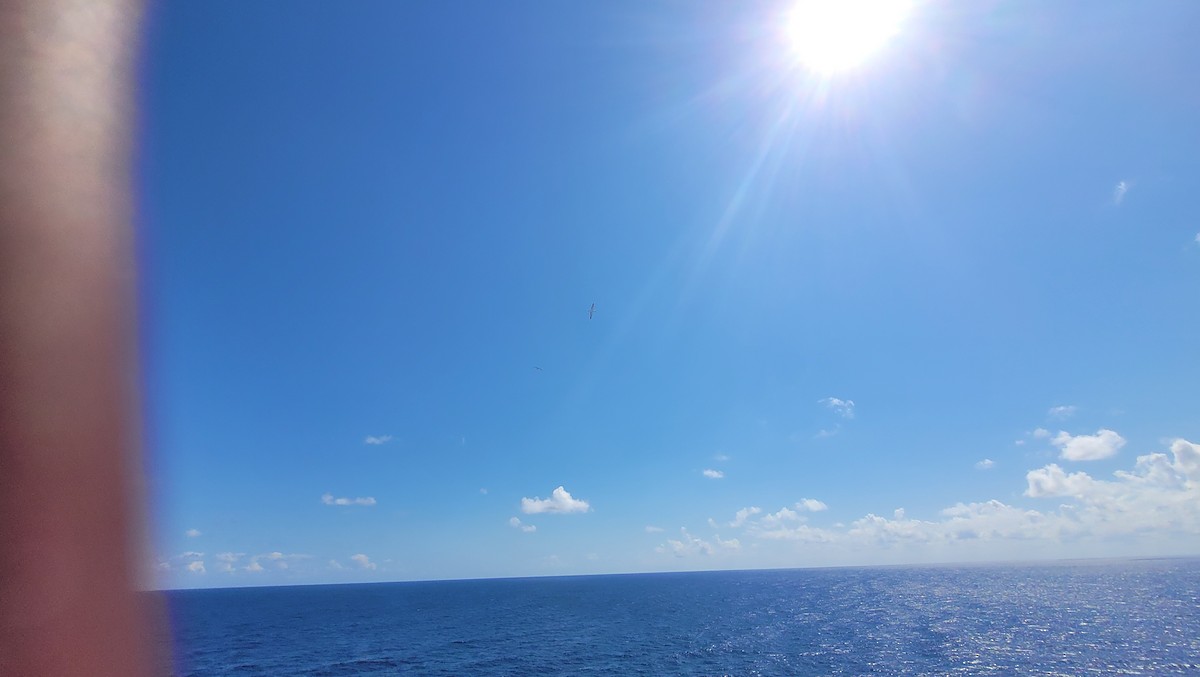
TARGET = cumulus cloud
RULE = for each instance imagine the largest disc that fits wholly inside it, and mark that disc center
(1161, 492)
(844, 408)
(377, 439)
(328, 499)
(712, 474)
(227, 560)
(515, 523)
(985, 464)
(784, 515)
(1103, 444)
(189, 560)
(1119, 192)
(1052, 480)
(740, 517)
(651, 529)
(1062, 411)
(787, 525)
(363, 561)
(560, 501)
(961, 522)
(1040, 433)
(1187, 458)
(192, 533)
(1159, 495)
(811, 505)
(276, 559)
(686, 545)
(784, 524)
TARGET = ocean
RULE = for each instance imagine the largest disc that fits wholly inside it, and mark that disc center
(1068, 618)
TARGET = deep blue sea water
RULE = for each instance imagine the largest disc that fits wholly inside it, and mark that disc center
(1094, 617)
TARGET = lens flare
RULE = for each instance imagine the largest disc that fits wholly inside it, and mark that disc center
(830, 36)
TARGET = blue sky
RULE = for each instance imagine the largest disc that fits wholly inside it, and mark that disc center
(938, 307)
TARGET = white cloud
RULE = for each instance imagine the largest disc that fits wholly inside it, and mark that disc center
(1159, 496)
(516, 524)
(192, 533)
(1040, 433)
(1062, 411)
(687, 545)
(961, 522)
(1053, 481)
(651, 529)
(363, 561)
(985, 464)
(787, 525)
(560, 501)
(811, 505)
(377, 439)
(712, 474)
(1187, 457)
(276, 559)
(189, 561)
(1119, 192)
(828, 432)
(1103, 444)
(721, 458)
(328, 499)
(334, 564)
(799, 532)
(742, 515)
(1161, 493)
(844, 408)
(731, 544)
(713, 523)
(227, 560)
(774, 519)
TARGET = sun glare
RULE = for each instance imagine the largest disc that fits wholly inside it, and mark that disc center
(829, 36)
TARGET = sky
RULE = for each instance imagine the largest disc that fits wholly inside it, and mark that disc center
(937, 305)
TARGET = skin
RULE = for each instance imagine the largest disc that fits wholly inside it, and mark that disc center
(70, 518)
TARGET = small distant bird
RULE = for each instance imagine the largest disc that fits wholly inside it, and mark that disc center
(538, 368)
(591, 311)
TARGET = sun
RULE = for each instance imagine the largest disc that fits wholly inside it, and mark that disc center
(831, 36)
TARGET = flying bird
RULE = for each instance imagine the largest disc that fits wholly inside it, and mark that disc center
(591, 311)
